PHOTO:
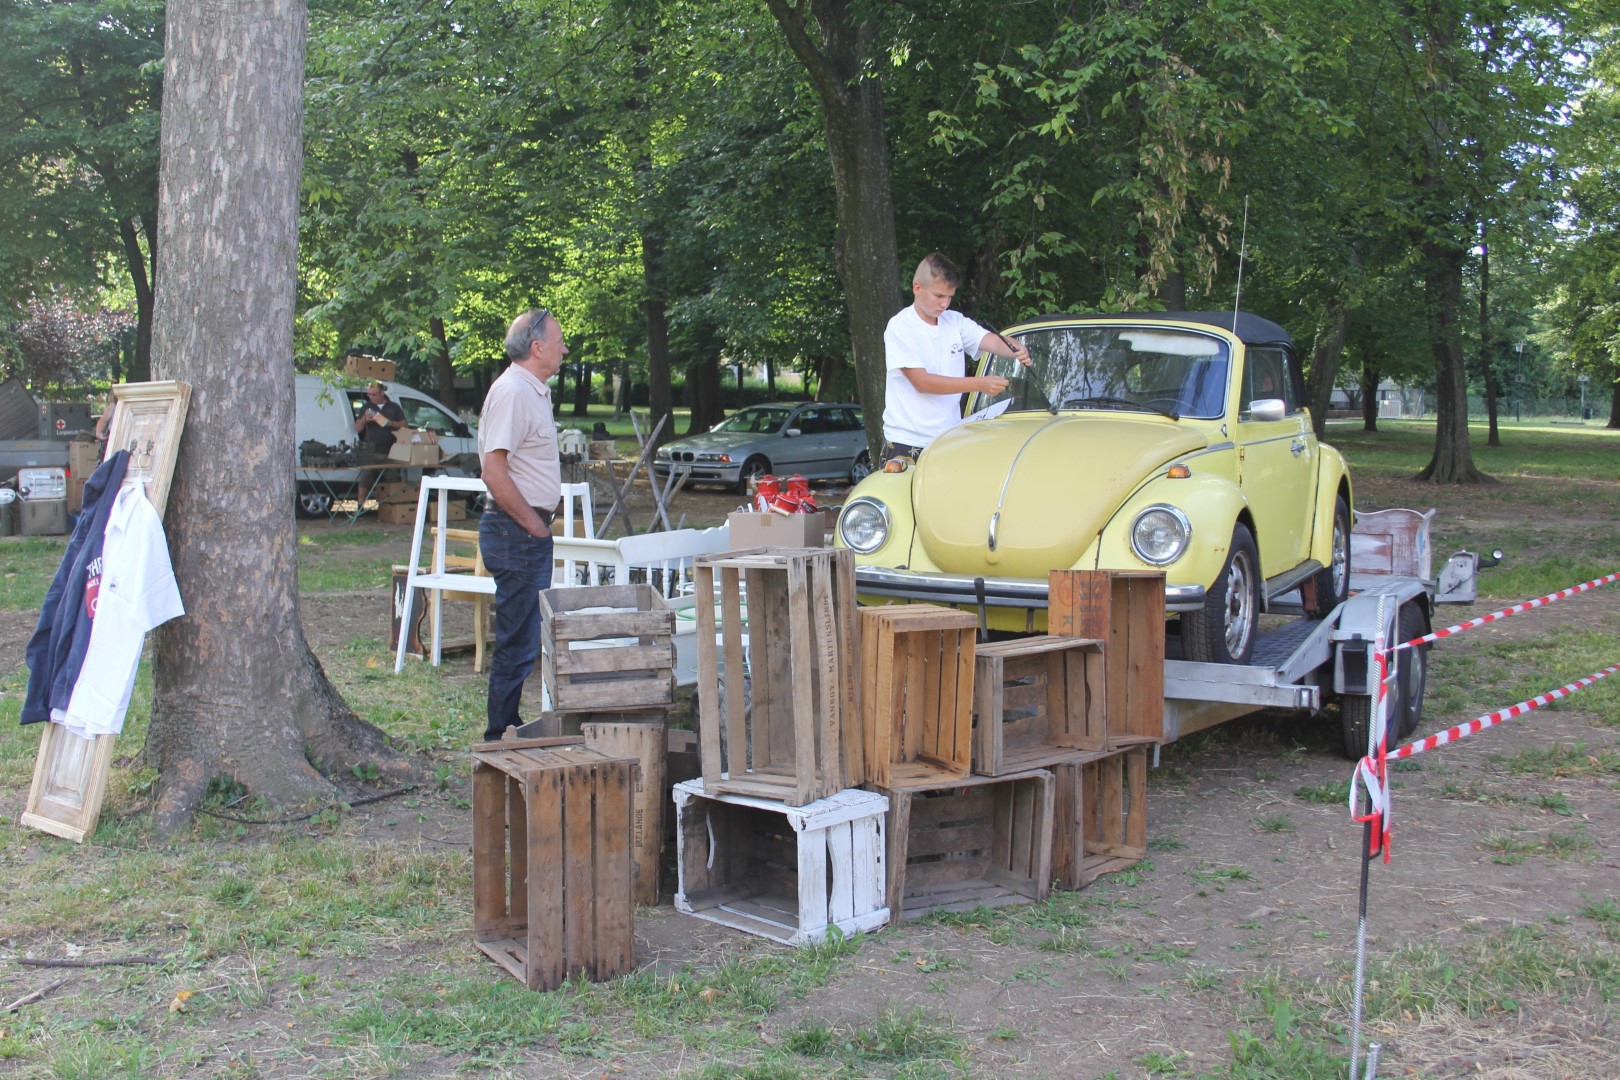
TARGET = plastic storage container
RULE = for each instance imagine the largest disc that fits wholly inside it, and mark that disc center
(40, 484)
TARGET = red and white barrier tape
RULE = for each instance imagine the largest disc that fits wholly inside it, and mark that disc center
(1372, 771)
(1474, 727)
(1539, 601)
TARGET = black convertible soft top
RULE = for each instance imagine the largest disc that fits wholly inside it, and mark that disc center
(1250, 329)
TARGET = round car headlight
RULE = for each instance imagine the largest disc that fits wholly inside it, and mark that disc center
(864, 525)
(1160, 534)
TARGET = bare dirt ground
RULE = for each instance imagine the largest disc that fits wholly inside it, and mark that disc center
(1244, 878)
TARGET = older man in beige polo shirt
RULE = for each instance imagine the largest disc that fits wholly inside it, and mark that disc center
(517, 441)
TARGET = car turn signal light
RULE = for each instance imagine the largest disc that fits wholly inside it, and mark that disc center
(1178, 472)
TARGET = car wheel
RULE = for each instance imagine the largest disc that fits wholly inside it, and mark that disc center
(862, 467)
(1410, 682)
(313, 504)
(752, 469)
(1332, 583)
(1223, 632)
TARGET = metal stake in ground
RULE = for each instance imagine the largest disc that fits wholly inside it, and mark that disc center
(1375, 740)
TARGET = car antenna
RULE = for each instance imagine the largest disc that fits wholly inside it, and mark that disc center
(1243, 246)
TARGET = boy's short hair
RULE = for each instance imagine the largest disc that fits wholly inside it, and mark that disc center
(936, 267)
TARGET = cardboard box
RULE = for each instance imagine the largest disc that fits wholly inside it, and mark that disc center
(83, 457)
(404, 513)
(394, 491)
(750, 530)
(75, 494)
(417, 448)
(42, 517)
(369, 367)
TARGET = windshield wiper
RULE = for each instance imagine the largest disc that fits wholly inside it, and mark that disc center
(1103, 399)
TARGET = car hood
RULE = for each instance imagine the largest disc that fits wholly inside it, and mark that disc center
(711, 440)
(1045, 484)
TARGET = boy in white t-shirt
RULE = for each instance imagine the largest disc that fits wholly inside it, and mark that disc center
(927, 348)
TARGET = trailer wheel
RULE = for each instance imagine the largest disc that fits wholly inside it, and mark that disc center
(1412, 670)
(1223, 631)
(1333, 582)
(1411, 680)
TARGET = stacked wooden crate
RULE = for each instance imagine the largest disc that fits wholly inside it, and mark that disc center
(607, 656)
(1055, 790)
(773, 838)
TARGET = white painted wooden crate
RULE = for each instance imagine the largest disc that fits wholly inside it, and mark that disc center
(782, 872)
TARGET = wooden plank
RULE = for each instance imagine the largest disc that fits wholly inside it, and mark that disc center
(800, 635)
(611, 913)
(490, 914)
(545, 815)
(577, 831)
(708, 658)
(845, 610)
(590, 625)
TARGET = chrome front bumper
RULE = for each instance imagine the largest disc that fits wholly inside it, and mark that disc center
(997, 592)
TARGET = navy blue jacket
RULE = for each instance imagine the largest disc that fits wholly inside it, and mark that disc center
(56, 651)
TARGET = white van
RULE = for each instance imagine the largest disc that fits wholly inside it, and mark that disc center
(326, 411)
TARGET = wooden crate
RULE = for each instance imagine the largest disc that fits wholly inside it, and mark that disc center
(917, 693)
(800, 739)
(552, 866)
(1126, 612)
(984, 841)
(1101, 816)
(1037, 701)
(785, 872)
(607, 647)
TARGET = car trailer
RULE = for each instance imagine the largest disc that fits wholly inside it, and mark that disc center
(1303, 663)
(1299, 664)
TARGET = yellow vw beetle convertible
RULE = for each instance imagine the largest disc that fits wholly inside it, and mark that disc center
(1171, 441)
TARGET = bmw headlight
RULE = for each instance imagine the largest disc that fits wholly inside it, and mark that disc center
(1160, 534)
(864, 524)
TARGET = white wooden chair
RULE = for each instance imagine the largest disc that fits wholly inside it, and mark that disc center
(441, 576)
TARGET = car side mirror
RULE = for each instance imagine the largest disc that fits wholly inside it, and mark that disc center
(792, 433)
(1268, 409)
(462, 431)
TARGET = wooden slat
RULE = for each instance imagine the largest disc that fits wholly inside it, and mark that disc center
(547, 948)
(610, 908)
(490, 915)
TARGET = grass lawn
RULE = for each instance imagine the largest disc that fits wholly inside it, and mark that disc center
(340, 945)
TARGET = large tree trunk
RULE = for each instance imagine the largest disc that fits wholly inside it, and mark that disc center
(843, 70)
(1487, 354)
(1326, 352)
(703, 395)
(442, 367)
(140, 276)
(1614, 404)
(237, 690)
(660, 395)
(1369, 397)
(1453, 460)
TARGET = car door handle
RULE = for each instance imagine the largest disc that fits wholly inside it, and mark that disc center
(1298, 448)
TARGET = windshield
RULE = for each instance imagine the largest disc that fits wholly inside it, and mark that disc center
(1134, 368)
(755, 421)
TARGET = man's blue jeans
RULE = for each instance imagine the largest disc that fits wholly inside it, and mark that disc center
(521, 567)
